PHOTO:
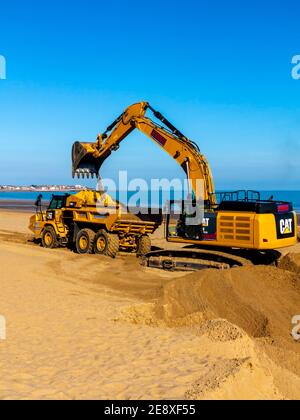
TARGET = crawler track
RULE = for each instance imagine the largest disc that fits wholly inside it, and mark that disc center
(193, 260)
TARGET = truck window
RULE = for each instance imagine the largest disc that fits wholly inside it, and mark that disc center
(57, 203)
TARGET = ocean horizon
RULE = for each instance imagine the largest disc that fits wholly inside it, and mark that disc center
(156, 198)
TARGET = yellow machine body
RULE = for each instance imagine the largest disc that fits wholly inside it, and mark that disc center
(248, 223)
(248, 231)
(92, 210)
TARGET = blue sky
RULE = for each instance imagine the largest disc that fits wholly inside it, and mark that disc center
(220, 71)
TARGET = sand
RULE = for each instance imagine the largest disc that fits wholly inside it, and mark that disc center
(87, 327)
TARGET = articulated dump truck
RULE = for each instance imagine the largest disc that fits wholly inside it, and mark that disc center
(92, 222)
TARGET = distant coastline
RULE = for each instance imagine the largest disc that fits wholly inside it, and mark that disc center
(41, 188)
(23, 200)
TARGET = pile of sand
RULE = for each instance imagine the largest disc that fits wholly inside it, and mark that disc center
(260, 300)
(290, 262)
(246, 314)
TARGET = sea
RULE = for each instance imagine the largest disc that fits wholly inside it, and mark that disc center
(157, 199)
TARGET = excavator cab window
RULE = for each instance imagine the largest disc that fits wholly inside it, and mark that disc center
(182, 221)
(241, 195)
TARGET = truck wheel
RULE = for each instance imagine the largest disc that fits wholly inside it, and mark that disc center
(85, 241)
(144, 245)
(49, 238)
(107, 244)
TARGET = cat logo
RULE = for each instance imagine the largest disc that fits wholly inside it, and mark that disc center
(286, 226)
(205, 222)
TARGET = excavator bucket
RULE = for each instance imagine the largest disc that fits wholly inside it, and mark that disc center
(88, 158)
(84, 160)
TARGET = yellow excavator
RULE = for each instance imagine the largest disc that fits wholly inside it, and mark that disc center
(233, 220)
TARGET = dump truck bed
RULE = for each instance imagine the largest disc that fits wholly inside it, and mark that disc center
(136, 227)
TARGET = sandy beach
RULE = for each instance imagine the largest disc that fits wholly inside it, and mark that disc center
(25, 206)
(88, 327)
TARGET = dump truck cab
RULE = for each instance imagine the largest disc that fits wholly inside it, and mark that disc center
(58, 202)
(54, 213)
(47, 225)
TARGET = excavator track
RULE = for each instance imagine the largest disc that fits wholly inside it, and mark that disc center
(193, 260)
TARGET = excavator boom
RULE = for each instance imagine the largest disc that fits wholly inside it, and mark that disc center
(89, 157)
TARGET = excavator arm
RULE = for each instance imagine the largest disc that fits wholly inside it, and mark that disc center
(89, 157)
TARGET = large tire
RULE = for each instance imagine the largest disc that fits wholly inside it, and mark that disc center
(49, 238)
(107, 244)
(85, 241)
(144, 246)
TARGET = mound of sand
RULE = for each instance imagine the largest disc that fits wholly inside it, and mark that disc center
(220, 330)
(260, 300)
(244, 317)
(290, 262)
